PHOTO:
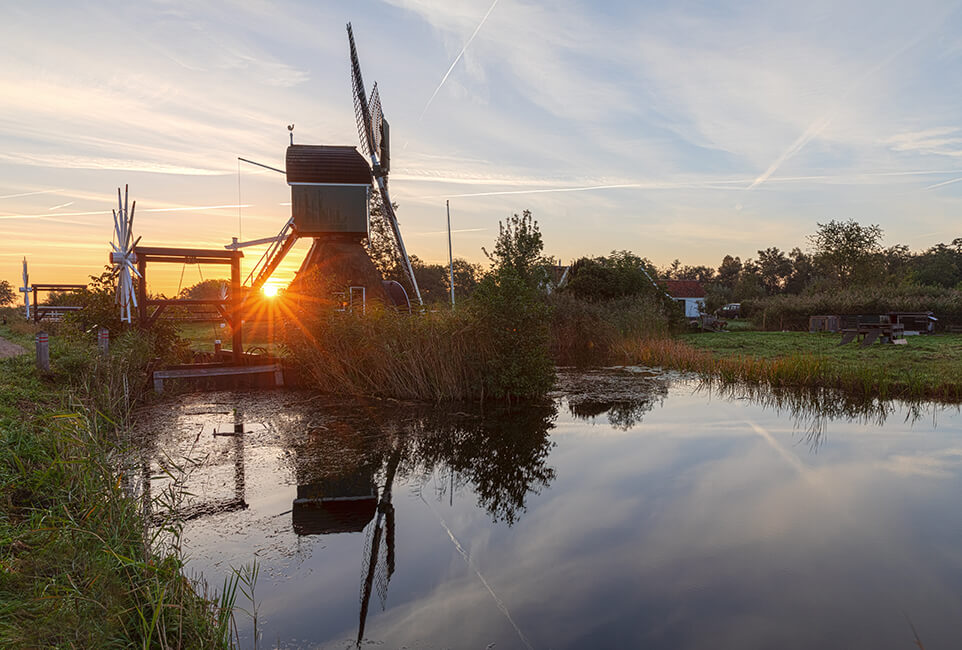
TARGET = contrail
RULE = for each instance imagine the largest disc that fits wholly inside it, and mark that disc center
(457, 58)
(813, 129)
(954, 180)
(717, 184)
(467, 559)
(444, 232)
(93, 212)
(62, 205)
(17, 196)
(540, 191)
(819, 125)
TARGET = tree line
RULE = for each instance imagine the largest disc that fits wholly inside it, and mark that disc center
(840, 255)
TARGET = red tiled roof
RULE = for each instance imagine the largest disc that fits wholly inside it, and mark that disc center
(684, 288)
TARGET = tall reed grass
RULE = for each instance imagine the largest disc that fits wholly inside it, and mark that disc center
(861, 379)
(591, 333)
(792, 311)
(432, 356)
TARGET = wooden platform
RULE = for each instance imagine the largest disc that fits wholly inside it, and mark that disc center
(216, 370)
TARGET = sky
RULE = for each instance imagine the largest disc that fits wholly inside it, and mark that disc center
(680, 130)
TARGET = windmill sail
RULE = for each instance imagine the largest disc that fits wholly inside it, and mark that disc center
(371, 128)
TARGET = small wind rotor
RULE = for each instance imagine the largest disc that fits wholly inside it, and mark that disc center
(374, 134)
(123, 258)
(25, 289)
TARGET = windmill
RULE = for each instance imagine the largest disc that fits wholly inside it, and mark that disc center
(25, 289)
(123, 257)
(374, 133)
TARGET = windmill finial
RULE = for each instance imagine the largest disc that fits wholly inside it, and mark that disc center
(290, 127)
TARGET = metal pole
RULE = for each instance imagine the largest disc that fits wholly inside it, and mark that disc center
(43, 352)
(450, 255)
(236, 309)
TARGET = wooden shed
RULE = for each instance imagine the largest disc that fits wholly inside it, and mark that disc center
(330, 190)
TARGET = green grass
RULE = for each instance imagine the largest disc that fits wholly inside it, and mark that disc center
(202, 335)
(77, 564)
(927, 367)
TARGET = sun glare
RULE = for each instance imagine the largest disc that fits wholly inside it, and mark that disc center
(269, 290)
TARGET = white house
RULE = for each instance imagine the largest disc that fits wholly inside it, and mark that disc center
(688, 292)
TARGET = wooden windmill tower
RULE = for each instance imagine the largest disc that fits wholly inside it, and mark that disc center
(330, 198)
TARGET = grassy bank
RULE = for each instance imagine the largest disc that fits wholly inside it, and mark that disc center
(77, 564)
(928, 367)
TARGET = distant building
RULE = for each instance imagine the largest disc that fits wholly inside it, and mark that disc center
(688, 292)
(558, 275)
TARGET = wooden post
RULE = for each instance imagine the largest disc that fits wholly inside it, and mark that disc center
(43, 352)
(103, 340)
(235, 310)
(142, 290)
(36, 312)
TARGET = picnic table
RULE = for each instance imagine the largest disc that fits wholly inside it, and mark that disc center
(869, 333)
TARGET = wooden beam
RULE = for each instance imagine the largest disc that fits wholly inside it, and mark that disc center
(185, 259)
(59, 287)
(237, 319)
(187, 301)
(221, 371)
(218, 253)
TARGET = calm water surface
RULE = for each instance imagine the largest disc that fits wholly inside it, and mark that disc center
(635, 510)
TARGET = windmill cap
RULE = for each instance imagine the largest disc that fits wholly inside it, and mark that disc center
(326, 164)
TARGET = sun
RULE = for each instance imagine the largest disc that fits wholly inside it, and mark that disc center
(269, 290)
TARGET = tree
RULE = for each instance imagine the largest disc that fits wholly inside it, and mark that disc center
(749, 284)
(7, 294)
(773, 269)
(846, 251)
(802, 272)
(510, 302)
(205, 290)
(938, 266)
(434, 280)
(381, 246)
(518, 249)
(619, 275)
(728, 272)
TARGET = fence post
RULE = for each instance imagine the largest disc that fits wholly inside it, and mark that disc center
(43, 351)
(103, 340)
(217, 348)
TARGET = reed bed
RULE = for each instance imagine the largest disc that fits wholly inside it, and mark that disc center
(863, 378)
(792, 311)
(434, 356)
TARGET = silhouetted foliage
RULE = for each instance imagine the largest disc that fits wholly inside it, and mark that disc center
(7, 294)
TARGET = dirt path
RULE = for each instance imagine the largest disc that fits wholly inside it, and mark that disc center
(8, 349)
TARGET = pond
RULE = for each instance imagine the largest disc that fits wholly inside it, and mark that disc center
(636, 509)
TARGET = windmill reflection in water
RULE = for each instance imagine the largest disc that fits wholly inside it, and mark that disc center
(336, 496)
